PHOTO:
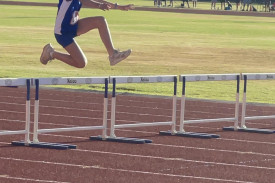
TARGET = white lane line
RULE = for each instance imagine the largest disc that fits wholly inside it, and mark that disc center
(123, 170)
(218, 150)
(186, 160)
(246, 141)
(174, 146)
(26, 179)
(175, 159)
(268, 143)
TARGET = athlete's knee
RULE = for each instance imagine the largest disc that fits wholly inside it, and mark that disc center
(81, 66)
(81, 63)
(102, 20)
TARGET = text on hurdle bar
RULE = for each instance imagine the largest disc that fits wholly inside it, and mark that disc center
(71, 80)
(143, 79)
(209, 77)
(258, 76)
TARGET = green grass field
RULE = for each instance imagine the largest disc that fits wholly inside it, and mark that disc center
(162, 43)
(177, 3)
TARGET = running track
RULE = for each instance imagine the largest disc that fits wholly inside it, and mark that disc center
(235, 157)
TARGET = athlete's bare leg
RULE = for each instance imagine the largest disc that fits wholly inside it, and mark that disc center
(75, 56)
(100, 23)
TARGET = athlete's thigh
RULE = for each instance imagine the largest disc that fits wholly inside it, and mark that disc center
(76, 53)
(89, 23)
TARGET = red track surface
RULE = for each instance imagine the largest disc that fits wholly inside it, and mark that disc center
(235, 157)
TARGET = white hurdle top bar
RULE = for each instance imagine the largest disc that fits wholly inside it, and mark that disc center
(143, 79)
(259, 76)
(13, 81)
(209, 77)
(71, 80)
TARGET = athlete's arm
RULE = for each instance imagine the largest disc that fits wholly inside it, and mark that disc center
(117, 6)
(105, 5)
(95, 4)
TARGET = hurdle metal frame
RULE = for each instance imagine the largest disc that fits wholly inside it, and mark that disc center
(254, 76)
(14, 82)
(140, 79)
(207, 77)
(67, 81)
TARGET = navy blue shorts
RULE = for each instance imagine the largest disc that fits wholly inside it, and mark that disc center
(65, 40)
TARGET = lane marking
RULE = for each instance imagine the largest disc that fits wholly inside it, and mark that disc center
(26, 179)
(175, 159)
(187, 160)
(123, 170)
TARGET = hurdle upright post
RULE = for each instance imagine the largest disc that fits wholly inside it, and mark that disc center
(36, 112)
(113, 110)
(182, 111)
(174, 111)
(28, 112)
(237, 104)
(105, 110)
(244, 103)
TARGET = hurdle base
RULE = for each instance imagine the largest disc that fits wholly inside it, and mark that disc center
(190, 134)
(256, 130)
(122, 140)
(250, 130)
(45, 145)
(229, 128)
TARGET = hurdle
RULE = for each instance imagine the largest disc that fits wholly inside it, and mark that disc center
(139, 79)
(207, 77)
(66, 81)
(12, 82)
(243, 128)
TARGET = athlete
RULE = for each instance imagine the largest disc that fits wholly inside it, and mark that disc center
(68, 25)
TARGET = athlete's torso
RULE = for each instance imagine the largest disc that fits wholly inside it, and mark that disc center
(67, 16)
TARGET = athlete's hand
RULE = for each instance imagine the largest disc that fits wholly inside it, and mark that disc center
(104, 6)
